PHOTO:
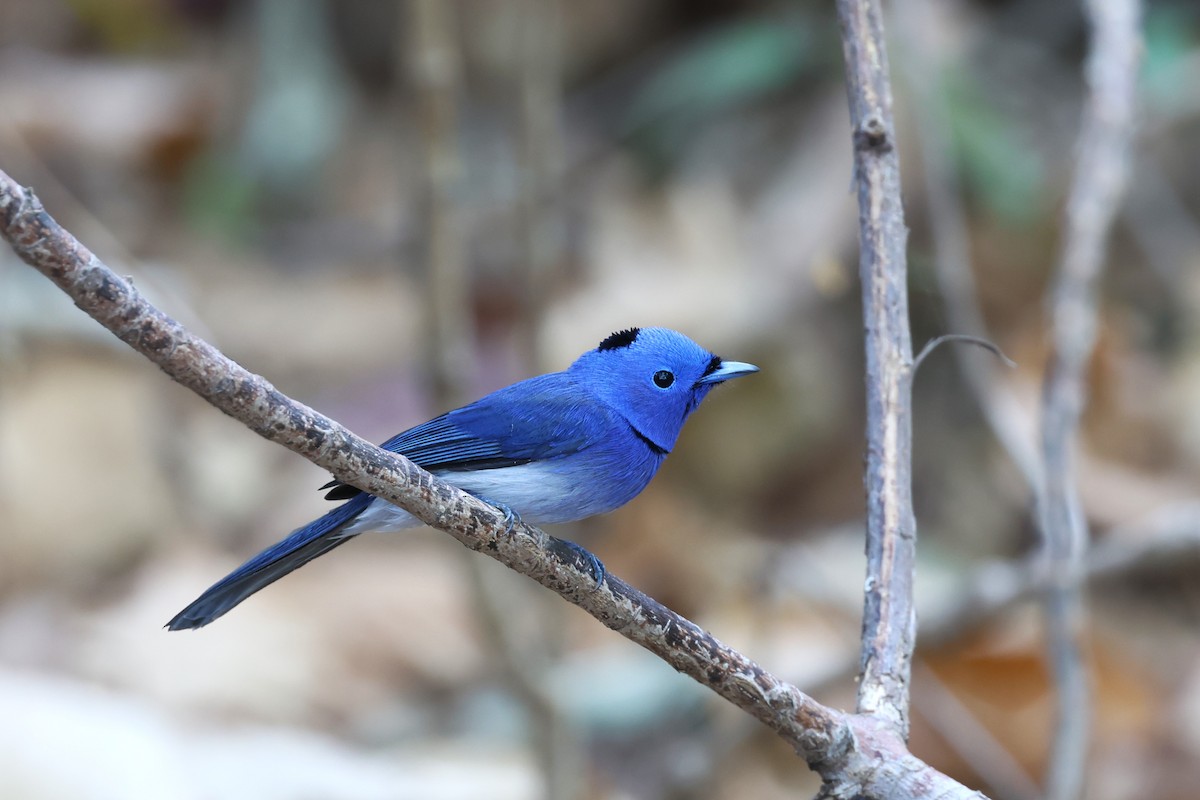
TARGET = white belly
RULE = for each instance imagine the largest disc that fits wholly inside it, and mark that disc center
(541, 494)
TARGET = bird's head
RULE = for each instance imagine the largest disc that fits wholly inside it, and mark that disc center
(654, 377)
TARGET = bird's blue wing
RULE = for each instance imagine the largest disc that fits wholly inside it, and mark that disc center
(534, 420)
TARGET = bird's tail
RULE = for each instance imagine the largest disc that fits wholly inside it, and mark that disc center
(303, 545)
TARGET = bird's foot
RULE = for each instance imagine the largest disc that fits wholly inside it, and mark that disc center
(563, 547)
(511, 518)
(595, 566)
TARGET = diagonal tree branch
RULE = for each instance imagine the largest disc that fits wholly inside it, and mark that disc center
(856, 755)
(889, 618)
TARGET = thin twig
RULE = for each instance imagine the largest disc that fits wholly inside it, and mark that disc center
(889, 620)
(962, 338)
(1105, 143)
(856, 755)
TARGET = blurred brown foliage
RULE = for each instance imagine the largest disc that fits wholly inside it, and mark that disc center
(257, 168)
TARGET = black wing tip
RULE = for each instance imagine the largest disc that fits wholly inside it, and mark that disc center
(615, 341)
(340, 491)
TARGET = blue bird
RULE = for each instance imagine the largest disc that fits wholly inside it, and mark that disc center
(554, 448)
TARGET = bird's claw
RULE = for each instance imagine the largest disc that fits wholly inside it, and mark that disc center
(577, 553)
(511, 518)
(593, 565)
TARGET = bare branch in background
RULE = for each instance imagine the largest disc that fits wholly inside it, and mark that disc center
(963, 733)
(889, 619)
(856, 755)
(436, 72)
(436, 69)
(541, 163)
(1101, 171)
(1162, 540)
(1104, 154)
(539, 40)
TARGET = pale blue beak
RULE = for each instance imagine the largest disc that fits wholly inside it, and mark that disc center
(727, 370)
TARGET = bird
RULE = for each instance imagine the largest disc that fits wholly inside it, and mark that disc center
(555, 448)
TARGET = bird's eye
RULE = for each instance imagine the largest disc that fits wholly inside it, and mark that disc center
(663, 379)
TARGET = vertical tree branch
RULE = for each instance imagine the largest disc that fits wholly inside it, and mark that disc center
(1100, 176)
(889, 619)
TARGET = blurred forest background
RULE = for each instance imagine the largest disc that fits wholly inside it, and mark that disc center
(388, 207)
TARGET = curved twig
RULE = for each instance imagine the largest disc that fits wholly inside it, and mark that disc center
(963, 338)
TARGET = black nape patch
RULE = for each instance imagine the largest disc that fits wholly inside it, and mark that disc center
(714, 364)
(619, 339)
